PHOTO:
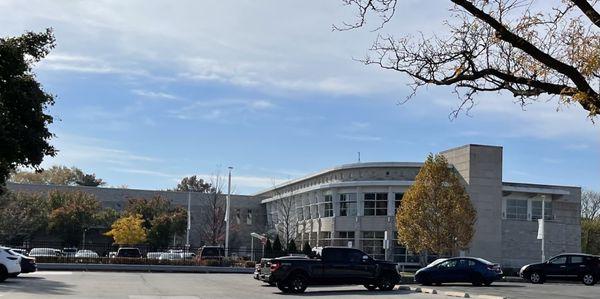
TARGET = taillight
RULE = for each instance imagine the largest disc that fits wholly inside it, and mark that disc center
(275, 265)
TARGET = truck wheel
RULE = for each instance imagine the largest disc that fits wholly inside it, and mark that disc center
(283, 286)
(298, 283)
(386, 283)
(370, 287)
(588, 279)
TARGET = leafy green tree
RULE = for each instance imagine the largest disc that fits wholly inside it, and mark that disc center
(194, 184)
(72, 212)
(89, 180)
(277, 247)
(24, 133)
(161, 219)
(128, 230)
(148, 208)
(306, 249)
(106, 217)
(436, 214)
(22, 215)
(590, 236)
(268, 249)
(291, 247)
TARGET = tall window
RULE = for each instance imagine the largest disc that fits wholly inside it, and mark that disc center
(397, 200)
(375, 204)
(536, 210)
(343, 238)
(299, 213)
(238, 217)
(372, 244)
(516, 209)
(324, 239)
(348, 204)
(328, 206)
(249, 217)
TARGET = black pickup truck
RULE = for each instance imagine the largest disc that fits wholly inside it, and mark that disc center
(333, 266)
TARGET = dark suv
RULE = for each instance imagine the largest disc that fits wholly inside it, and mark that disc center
(568, 266)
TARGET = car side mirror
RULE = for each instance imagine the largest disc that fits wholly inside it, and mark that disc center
(365, 258)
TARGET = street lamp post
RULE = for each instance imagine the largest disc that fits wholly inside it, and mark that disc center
(189, 221)
(227, 213)
(84, 231)
(543, 225)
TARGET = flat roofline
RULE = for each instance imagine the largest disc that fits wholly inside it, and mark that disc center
(342, 167)
(469, 145)
(519, 184)
(50, 186)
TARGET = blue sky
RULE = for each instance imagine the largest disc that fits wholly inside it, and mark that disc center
(149, 92)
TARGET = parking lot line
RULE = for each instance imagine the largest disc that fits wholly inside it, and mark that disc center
(51, 273)
(161, 297)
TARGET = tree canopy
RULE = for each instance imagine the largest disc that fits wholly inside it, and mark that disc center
(24, 133)
(527, 48)
(56, 175)
(436, 214)
(128, 230)
(194, 184)
(590, 222)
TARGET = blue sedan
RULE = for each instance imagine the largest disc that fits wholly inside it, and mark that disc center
(459, 269)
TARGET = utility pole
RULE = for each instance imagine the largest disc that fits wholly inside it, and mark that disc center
(227, 213)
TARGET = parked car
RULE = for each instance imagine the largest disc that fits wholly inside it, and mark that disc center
(459, 269)
(113, 254)
(10, 263)
(85, 253)
(568, 266)
(28, 264)
(69, 251)
(20, 251)
(212, 253)
(44, 252)
(333, 266)
(170, 256)
(265, 271)
(153, 255)
(129, 252)
(188, 255)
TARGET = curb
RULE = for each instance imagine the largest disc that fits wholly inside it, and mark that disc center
(142, 268)
(457, 294)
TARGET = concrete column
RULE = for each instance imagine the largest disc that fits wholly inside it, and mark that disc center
(335, 202)
(360, 202)
(391, 202)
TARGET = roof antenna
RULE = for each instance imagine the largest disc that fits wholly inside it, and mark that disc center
(358, 157)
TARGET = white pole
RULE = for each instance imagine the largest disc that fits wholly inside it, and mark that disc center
(543, 226)
(189, 221)
(252, 248)
(227, 213)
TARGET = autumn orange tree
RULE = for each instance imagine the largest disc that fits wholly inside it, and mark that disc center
(128, 230)
(527, 48)
(436, 214)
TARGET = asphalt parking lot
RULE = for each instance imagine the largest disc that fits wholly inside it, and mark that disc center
(61, 284)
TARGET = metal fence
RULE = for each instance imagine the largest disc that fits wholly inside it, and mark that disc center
(107, 253)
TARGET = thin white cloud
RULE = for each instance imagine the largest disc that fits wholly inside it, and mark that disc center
(365, 138)
(154, 94)
(220, 108)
